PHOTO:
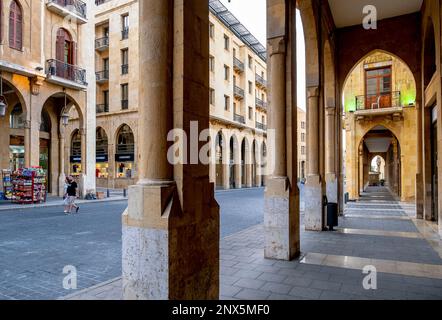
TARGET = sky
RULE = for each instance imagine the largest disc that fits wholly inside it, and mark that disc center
(255, 21)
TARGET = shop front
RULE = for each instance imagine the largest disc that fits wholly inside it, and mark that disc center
(75, 158)
(125, 158)
(102, 158)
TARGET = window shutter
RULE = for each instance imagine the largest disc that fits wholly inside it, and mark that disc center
(12, 26)
(19, 29)
(74, 53)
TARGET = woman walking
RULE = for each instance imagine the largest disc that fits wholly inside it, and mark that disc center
(71, 196)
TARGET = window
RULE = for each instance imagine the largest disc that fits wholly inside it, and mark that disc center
(226, 73)
(226, 103)
(263, 120)
(106, 99)
(250, 87)
(250, 113)
(125, 61)
(15, 26)
(226, 42)
(124, 96)
(125, 26)
(65, 48)
(212, 64)
(378, 88)
(302, 137)
(250, 62)
(212, 96)
(211, 30)
(303, 150)
(302, 125)
(234, 108)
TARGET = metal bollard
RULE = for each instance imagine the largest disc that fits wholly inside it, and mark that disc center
(108, 193)
(125, 193)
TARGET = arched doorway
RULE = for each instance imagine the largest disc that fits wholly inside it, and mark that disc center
(102, 155)
(219, 160)
(75, 154)
(125, 156)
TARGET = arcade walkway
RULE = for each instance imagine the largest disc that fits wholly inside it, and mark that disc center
(377, 231)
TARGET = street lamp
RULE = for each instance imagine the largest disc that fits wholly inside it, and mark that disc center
(2, 99)
(65, 114)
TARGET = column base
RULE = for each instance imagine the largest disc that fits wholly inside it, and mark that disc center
(281, 221)
(170, 253)
(313, 204)
(419, 196)
(61, 183)
(331, 183)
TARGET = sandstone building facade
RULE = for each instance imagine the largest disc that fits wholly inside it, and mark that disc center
(45, 70)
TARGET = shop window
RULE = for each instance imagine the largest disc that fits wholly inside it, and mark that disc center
(125, 156)
(75, 159)
(102, 154)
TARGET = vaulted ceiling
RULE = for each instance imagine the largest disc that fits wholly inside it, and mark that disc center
(350, 12)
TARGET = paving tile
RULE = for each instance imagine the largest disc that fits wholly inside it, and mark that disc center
(250, 283)
(305, 292)
(326, 285)
(247, 274)
(229, 291)
(249, 294)
(272, 277)
(277, 288)
(298, 281)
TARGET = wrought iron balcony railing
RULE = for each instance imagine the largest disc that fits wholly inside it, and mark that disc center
(261, 104)
(261, 82)
(102, 76)
(261, 126)
(378, 101)
(66, 71)
(238, 65)
(75, 6)
(102, 43)
(102, 108)
(239, 118)
(238, 92)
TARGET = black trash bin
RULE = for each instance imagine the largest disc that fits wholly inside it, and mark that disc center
(332, 215)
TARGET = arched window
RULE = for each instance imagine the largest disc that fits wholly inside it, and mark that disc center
(126, 142)
(17, 118)
(76, 143)
(65, 47)
(102, 143)
(125, 156)
(15, 26)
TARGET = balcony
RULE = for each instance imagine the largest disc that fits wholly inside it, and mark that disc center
(379, 105)
(102, 108)
(125, 34)
(261, 126)
(102, 76)
(125, 69)
(261, 104)
(238, 65)
(102, 44)
(239, 118)
(261, 82)
(66, 75)
(69, 8)
(238, 93)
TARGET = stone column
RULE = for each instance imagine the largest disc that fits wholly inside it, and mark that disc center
(171, 226)
(237, 166)
(280, 215)
(419, 174)
(314, 220)
(226, 165)
(61, 163)
(395, 167)
(27, 129)
(361, 168)
(330, 149)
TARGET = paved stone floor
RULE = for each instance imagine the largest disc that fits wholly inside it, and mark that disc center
(377, 231)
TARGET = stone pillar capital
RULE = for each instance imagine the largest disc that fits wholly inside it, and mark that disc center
(277, 46)
(36, 83)
(313, 92)
(330, 111)
(27, 124)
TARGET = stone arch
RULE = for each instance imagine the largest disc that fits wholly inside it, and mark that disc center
(329, 76)
(310, 25)
(382, 123)
(365, 57)
(8, 81)
(66, 107)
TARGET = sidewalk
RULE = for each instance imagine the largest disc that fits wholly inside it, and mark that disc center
(53, 201)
